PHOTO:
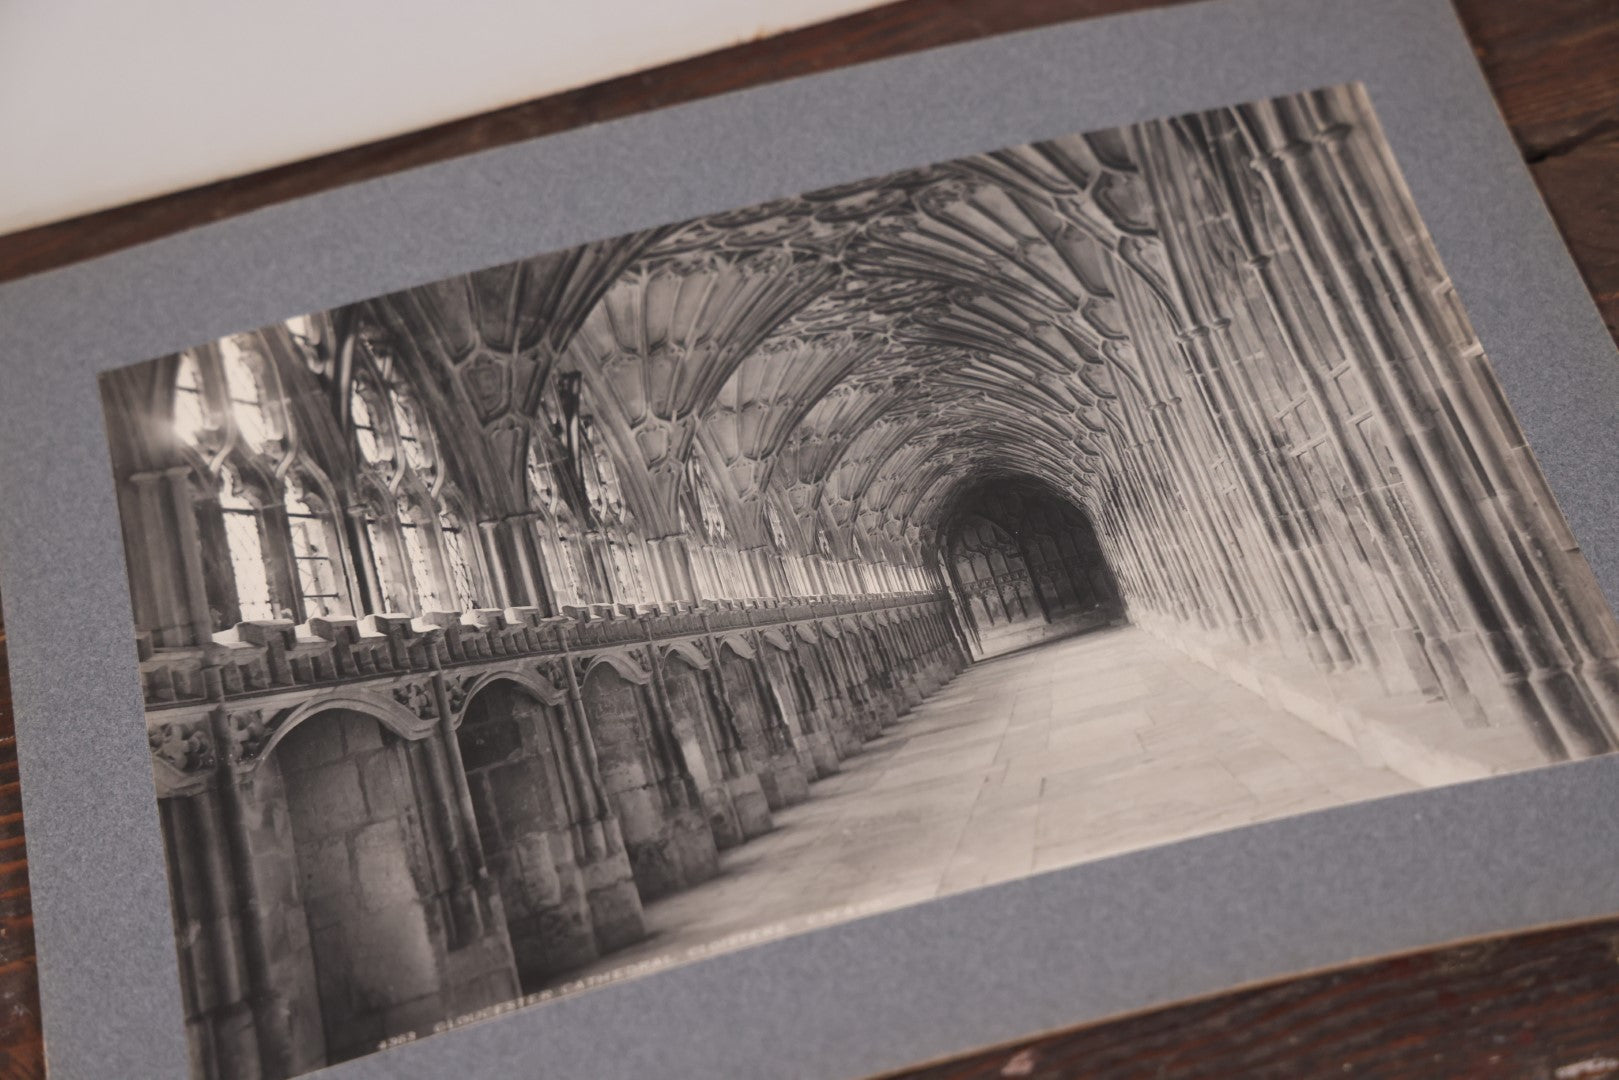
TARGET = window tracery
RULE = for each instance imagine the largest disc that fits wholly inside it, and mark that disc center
(794, 568)
(365, 428)
(244, 540)
(555, 525)
(424, 579)
(458, 557)
(385, 569)
(778, 534)
(614, 531)
(708, 504)
(190, 414)
(226, 414)
(250, 407)
(423, 554)
(266, 509)
(721, 572)
(314, 551)
(409, 428)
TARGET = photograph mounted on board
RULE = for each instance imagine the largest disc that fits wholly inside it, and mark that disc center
(624, 605)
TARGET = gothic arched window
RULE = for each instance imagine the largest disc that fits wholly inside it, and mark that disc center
(720, 561)
(425, 579)
(614, 534)
(709, 505)
(423, 552)
(600, 476)
(833, 569)
(555, 526)
(314, 550)
(190, 414)
(797, 573)
(778, 533)
(459, 565)
(407, 423)
(244, 540)
(228, 416)
(365, 428)
(251, 407)
(386, 568)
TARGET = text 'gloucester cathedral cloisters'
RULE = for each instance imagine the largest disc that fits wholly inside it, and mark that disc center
(476, 619)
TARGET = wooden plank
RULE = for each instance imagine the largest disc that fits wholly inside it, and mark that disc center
(1529, 1005)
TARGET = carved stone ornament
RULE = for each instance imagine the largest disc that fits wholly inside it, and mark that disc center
(189, 749)
(418, 698)
(488, 383)
(457, 688)
(250, 733)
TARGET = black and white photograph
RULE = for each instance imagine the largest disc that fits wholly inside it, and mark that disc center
(618, 607)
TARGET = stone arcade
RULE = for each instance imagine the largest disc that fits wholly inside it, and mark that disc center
(474, 618)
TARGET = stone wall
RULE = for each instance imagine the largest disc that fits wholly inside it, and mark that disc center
(358, 860)
(511, 747)
(1027, 567)
(391, 951)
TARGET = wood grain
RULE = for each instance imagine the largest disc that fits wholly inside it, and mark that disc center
(22, 1049)
(1542, 1004)
(1539, 1005)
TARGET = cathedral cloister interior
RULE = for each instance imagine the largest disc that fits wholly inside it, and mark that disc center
(855, 548)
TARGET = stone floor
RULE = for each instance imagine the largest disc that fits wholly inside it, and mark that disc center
(1064, 752)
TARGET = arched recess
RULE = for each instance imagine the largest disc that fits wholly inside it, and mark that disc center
(992, 577)
(538, 687)
(528, 806)
(626, 668)
(666, 834)
(376, 924)
(688, 652)
(395, 717)
(768, 744)
(791, 687)
(718, 755)
(831, 702)
(1024, 564)
(739, 645)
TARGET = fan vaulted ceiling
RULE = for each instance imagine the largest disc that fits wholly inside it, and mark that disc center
(855, 354)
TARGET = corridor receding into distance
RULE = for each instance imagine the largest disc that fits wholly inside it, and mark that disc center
(1042, 758)
(865, 545)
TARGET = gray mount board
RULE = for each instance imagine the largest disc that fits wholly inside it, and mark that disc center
(929, 980)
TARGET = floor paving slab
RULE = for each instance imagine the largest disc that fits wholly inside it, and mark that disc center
(1065, 752)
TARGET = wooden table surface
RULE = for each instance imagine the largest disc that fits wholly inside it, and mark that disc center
(1541, 1004)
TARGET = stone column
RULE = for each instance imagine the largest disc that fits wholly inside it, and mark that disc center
(166, 571)
(464, 820)
(1575, 640)
(1302, 189)
(587, 770)
(785, 736)
(660, 697)
(1415, 624)
(465, 910)
(365, 557)
(228, 867)
(528, 579)
(721, 698)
